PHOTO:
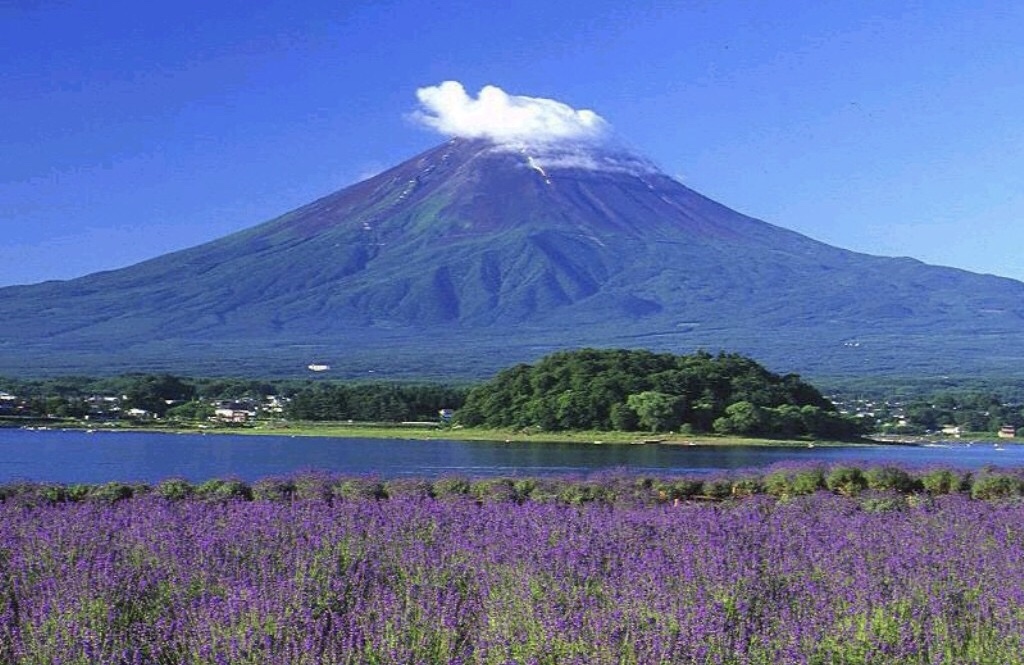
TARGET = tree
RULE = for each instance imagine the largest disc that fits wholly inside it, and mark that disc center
(623, 418)
(156, 393)
(741, 418)
(656, 411)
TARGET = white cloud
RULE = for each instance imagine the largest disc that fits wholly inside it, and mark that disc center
(504, 118)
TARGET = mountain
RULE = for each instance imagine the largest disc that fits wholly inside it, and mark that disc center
(473, 256)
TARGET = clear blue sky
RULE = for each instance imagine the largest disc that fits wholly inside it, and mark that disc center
(131, 129)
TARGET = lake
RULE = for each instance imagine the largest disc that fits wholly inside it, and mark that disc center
(75, 456)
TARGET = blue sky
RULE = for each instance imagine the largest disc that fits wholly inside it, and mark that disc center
(130, 129)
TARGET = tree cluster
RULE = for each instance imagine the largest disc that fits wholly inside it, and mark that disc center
(192, 399)
(975, 412)
(633, 390)
(373, 402)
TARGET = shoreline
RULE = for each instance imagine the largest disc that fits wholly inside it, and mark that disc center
(419, 432)
(422, 433)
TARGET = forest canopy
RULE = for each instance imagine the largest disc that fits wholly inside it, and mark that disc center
(632, 390)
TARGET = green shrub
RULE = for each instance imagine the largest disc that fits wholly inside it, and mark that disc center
(359, 489)
(408, 487)
(889, 479)
(846, 480)
(717, 488)
(992, 485)
(778, 484)
(451, 487)
(494, 490)
(808, 481)
(578, 493)
(525, 488)
(942, 481)
(544, 490)
(686, 488)
(886, 504)
(78, 492)
(219, 489)
(175, 489)
(54, 493)
(273, 489)
(747, 486)
(111, 492)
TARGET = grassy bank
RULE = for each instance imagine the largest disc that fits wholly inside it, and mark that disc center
(418, 432)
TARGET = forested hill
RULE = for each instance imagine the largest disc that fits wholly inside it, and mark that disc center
(639, 390)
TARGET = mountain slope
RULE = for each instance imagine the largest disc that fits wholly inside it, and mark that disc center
(471, 256)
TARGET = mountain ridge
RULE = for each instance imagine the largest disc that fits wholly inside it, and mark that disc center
(488, 255)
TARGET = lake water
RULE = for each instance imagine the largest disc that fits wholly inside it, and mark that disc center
(77, 456)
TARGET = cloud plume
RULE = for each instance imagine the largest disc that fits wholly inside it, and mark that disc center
(504, 118)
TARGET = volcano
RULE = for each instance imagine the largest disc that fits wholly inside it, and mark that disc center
(474, 255)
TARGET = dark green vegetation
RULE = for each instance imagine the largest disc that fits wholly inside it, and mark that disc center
(589, 389)
(183, 399)
(973, 412)
(931, 404)
(464, 260)
(640, 390)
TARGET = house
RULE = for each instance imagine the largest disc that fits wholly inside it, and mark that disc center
(229, 415)
(952, 430)
(8, 403)
(1007, 432)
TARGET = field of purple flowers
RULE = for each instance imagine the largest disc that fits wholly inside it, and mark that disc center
(336, 573)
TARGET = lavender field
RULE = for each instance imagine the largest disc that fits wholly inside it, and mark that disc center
(353, 571)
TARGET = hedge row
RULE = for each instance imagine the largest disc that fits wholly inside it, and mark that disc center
(608, 488)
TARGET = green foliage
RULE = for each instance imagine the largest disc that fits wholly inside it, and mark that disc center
(408, 487)
(224, 490)
(943, 481)
(623, 418)
(374, 402)
(889, 479)
(111, 492)
(741, 418)
(747, 486)
(175, 489)
(994, 485)
(717, 488)
(495, 490)
(786, 483)
(656, 411)
(808, 481)
(273, 489)
(592, 389)
(360, 488)
(156, 393)
(848, 480)
(973, 411)
(451, 487)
